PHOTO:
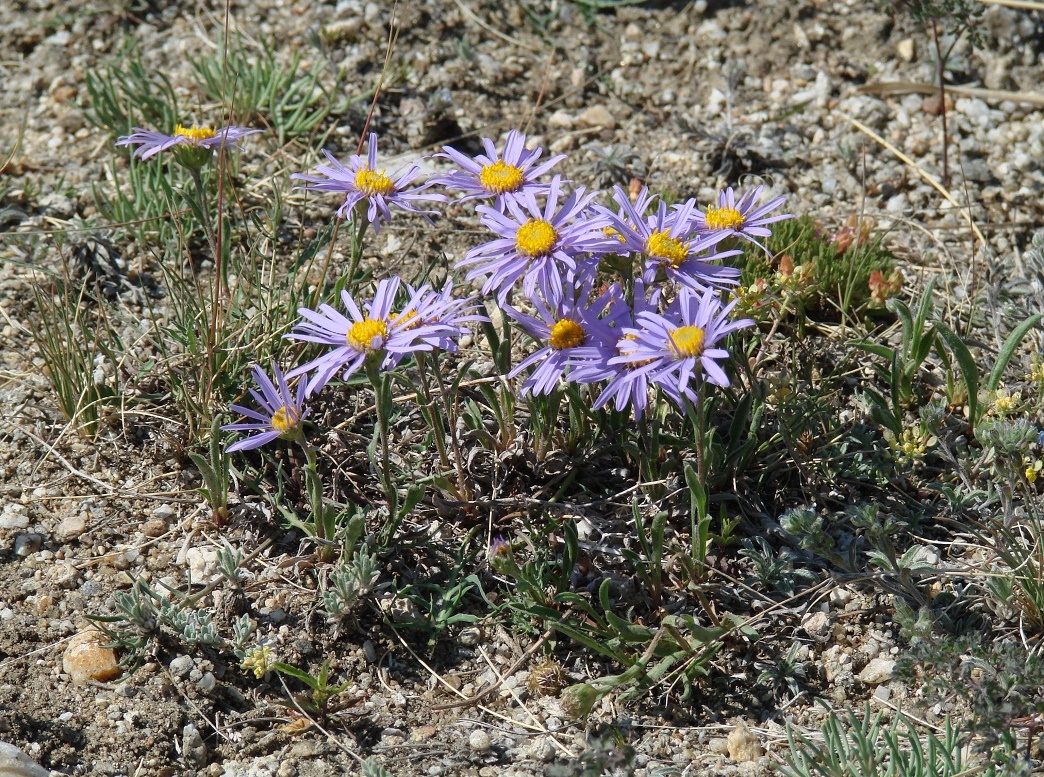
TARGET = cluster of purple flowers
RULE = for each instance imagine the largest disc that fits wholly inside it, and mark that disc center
(662, 326)
(631, 347)
(375, 332)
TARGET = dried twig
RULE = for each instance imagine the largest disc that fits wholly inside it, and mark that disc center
(930, 179)
(514, 668)
(1028, 5)
(911, 87)
(492, 30)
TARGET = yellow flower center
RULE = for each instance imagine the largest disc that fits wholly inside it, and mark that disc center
(194, 133)
(373, 182)
(624, 350)
(536, 238)
(662, 245)
(500, 177)
(613, 233)
(410, 320)
(285, 419)
(724, 218)
(367, 335)
(687, 341)
(566, 334)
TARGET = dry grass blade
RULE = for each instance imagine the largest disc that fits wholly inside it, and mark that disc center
(930, 179)
(493, 31)
(1027, 5)
(911, 87)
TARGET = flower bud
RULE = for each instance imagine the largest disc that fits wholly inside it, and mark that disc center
(578, 700)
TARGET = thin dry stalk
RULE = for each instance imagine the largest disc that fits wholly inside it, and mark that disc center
(929, 179)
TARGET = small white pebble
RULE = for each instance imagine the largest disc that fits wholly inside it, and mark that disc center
(479, 741)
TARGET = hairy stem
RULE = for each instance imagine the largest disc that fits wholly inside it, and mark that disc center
(464, 494)
(436, 421)
(940, 64)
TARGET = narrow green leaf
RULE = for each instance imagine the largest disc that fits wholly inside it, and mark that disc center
(967, 365)
(875, 348)
(740, 423)
(924, 308)
(902, 312)
(300, 674)
(1008, 350)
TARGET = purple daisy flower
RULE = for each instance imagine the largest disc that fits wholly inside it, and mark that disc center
(624, 388)
(376, 333)
(494, 175)
(440, 310)
(361, 180)
(664, 239)
(150, 143)
(575, 334)
(282, 416)
(742, 218)
(539, 246)
(670, 349)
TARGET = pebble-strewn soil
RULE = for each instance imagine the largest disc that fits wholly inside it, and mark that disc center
(686, 97)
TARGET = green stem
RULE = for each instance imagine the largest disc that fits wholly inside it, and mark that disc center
(436, 421)
(380, 386)
(463, 492)
(940, 64)
(321, 283)
(201, 194)
(359, 224)
(701, 434)
(645, 450)
(312, 479)
(212, 366)
(322, 530)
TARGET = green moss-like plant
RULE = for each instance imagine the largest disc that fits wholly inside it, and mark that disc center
(810, 274)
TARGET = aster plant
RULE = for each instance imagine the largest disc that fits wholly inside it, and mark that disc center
(375, 338)
(541, 246)
(281, 416)
(441, 314)
(741, 217)
(374, 335)
(429, 308)
(573, 332)
(362, 180)
(675, 352)
(503, 177)
(284, 411)
(666, 243)
(625, 388)
(675, 349)
(193, 146)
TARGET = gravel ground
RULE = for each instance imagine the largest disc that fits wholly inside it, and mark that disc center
(687, 97)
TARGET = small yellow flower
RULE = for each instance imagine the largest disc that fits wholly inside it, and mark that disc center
(754, 296)
(536, 238)
(1005, 404)
(1032, 469)
(1036, 373)
(724, 218)
(566, 334)
(501, 178)
(912, 445)
(663, 246)
(793, 279)
(257, 660)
